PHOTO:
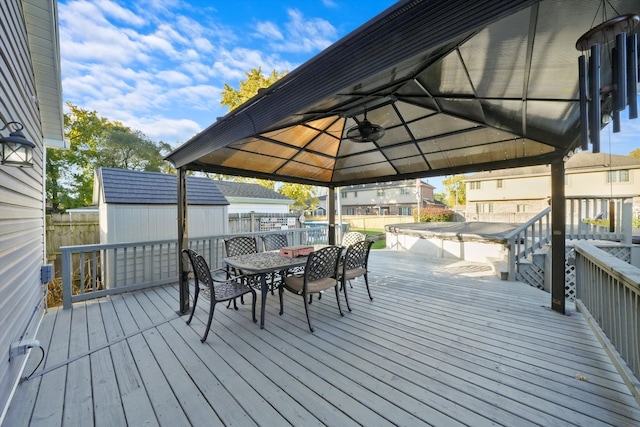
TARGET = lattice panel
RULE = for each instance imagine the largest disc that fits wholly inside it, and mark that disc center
(620, 252)
(531, 274)
(569, 274)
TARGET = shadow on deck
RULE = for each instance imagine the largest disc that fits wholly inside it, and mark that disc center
(443, 343)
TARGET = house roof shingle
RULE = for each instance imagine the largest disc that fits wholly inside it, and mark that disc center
(248, 190)
(152, 188)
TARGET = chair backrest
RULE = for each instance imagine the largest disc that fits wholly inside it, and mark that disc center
(240, 245)
(199, 267)
(352, 237)
(273, 242)
(357, 255)
(322, 263)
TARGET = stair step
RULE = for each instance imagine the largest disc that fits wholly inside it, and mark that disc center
(499, 267)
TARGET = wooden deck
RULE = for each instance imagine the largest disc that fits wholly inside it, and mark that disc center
(443, 343)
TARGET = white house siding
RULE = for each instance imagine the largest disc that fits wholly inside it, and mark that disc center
(21, 200)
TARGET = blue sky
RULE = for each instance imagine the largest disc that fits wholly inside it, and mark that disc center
(159, 66)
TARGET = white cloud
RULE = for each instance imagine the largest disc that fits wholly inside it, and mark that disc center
(268, 30)
(306, 35)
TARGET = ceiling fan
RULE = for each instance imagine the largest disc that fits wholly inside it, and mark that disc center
(365, 131)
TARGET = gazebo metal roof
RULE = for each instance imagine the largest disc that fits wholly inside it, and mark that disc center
(459, 87)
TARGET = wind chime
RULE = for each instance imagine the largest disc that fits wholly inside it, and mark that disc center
(622, 90)
(617, 38)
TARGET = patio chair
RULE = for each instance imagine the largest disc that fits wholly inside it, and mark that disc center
(354, 264)
(239, 245)
(319, 275)
(272, 242)
(352, 237)
(216, 286)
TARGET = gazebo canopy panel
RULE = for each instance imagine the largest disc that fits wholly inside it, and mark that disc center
(458, 87)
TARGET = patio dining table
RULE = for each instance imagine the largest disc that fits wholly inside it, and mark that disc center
(260, 265)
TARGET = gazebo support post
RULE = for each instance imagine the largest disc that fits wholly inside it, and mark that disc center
(183, 241)
(558, 235)
(331, 215)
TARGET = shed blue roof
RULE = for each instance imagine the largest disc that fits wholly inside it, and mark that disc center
(152, 188)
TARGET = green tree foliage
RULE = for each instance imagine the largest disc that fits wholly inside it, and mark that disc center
(255, 81)
(635, 153)
(302, 194)
(95, 142)
(454, 191)
(233, 98)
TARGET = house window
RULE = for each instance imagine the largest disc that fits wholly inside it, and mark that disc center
(344, 194)
(521, 208)
(474, 185)
(618, 176)
(405, 210)
(499, 183)
(380, 193)
(351, 211)
(405, 190)
(355, 194)
(484, 207)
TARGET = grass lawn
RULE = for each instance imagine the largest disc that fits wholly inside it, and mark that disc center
(377, 244)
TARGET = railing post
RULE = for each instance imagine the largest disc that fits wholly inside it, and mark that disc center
(626, 225)
(512, 259)
(66, 278)
(558, 233)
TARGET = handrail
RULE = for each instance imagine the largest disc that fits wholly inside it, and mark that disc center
(106, 269)
(608, 294)
(526, 238)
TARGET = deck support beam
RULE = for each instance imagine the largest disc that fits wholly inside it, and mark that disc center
(558, 216)
(331, 215)
(183, 241)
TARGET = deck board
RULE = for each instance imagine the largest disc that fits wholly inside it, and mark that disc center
(443, 343)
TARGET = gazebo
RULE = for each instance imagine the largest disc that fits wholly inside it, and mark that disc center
(431, 88)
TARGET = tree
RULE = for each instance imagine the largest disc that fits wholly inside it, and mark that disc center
(255, 81)
(95, 142)
(302, 194)
(635, 153)
(454, 191)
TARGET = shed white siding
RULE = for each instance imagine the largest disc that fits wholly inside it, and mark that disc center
(21, 199)
(145, 223)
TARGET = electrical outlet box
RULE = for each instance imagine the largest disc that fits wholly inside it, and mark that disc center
(46, 273)
(20, 348)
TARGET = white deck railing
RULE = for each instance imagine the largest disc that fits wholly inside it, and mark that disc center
(608, 292)
(528, 237)
(92, 271)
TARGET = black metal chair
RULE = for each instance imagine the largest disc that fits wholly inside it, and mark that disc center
(319, 275)
(354, 264)
(352, 237)
(272, 242)
(216, 286)
(239, 245)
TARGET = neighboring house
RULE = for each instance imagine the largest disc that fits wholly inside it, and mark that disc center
(388, 198)
(31, 93)
(245, 197)
(139, 206)
(521, 193)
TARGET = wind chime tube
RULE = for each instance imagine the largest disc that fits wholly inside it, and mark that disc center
(632, 75)
(620, 76)
(584, 89)
(612, 216)
(615, 113)
(594, 104)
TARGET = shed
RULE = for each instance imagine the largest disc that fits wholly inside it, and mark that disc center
(245, 197)
(137, 206)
